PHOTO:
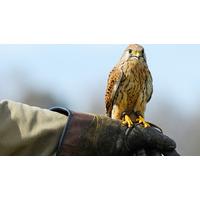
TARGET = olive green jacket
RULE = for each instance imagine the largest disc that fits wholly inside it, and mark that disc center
(27, 130)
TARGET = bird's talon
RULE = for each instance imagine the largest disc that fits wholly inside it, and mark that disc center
(141, 120)
(124, 123)
(127, 121)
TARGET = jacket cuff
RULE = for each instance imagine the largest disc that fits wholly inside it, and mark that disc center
(67, 113)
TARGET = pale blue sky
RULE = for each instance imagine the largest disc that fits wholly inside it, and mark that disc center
(77, 72)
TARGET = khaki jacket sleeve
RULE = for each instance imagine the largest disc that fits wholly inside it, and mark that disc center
(27, 130)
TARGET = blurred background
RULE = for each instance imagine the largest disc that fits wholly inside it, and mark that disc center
(75, 76)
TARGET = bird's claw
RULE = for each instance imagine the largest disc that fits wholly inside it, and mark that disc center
(141, 120)
(127, 121)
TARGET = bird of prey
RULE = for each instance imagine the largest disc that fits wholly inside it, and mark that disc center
(129, 87)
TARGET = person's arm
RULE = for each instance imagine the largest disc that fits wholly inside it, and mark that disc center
(28, 130)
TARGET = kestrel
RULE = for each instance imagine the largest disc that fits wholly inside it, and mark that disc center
(129, 87)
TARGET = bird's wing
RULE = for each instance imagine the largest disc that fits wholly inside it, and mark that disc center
(149, 84)
(114, 80)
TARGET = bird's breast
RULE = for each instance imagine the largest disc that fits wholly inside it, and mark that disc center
(134, 83)
(135, 73)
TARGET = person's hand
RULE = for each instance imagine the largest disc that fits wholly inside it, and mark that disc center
(149, 141)
(87, 134)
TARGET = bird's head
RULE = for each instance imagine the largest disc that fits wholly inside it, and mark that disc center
(134, 52)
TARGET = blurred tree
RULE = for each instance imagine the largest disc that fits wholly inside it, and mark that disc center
(97, 104)
(42, 99)
(27, 92)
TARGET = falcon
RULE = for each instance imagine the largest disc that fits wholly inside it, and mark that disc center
(129, 87)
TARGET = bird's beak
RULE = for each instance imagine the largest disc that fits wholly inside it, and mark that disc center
(137, 54)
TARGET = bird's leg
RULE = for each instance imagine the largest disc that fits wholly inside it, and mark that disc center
(127, 120)
(141, 120)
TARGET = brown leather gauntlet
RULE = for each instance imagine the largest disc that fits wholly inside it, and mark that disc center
(92, 135)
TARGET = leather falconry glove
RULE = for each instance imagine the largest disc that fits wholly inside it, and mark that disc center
(98, 135)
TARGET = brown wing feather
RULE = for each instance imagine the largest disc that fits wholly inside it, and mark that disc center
(113, 83)
(149, 85)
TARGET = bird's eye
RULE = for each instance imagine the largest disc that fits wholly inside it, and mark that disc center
(142, 51)
(130, 50)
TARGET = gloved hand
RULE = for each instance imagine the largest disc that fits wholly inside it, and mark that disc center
(91, 135)
(149, 141)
